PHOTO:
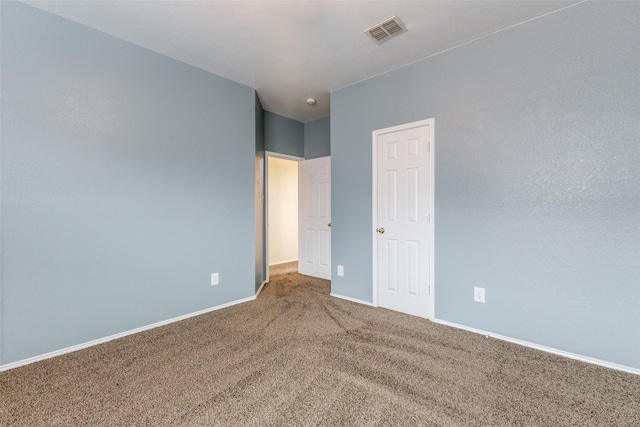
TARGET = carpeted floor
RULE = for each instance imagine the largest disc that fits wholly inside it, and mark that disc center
(287, 267)
(298, 357)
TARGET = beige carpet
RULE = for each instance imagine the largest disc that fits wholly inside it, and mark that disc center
(298, 357)
(287, 267)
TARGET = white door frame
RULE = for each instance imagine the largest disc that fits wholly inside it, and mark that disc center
(268, 154)
(374, 233)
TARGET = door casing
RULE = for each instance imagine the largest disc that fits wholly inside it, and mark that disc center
(268, 154)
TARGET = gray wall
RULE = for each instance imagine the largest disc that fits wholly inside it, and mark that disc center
(537, 172)
(288, 136)
(127, 179)
(261, 249)
(317, 138)
(283, 135)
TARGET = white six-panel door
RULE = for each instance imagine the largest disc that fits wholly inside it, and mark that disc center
(314, 184)
(403, 232)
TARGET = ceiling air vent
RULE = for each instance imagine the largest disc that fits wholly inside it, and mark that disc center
(386, 30)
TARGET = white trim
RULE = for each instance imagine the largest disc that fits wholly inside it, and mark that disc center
(430, 123)
(268, 154)
(359, 301)
(283, 262)
(260, 288)
(546, 349)
(374, 217)
(432, 219)
(283, 156)
(118, 335)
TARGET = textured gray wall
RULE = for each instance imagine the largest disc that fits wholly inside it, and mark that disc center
(317, 138)
(537, 177)
(127, 179)
(283, 135)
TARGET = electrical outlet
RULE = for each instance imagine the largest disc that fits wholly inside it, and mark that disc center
(478, 294)
(340, 270)
(215, 279)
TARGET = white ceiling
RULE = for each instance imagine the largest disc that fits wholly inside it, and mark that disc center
(292, 50)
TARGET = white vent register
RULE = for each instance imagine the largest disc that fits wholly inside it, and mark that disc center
(386, 30)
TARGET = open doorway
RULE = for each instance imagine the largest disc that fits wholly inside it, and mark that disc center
(282, 213)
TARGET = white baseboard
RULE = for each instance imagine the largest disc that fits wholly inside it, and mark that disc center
(240, 301)
(260, 288)
(119, 335)
(283, 262)
(543, 348)
(359, 301)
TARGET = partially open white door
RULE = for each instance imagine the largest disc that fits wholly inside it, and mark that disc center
(314, 184)
(403, 212)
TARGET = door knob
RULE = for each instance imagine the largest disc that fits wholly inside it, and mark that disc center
(381, 230)
(329, 225)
